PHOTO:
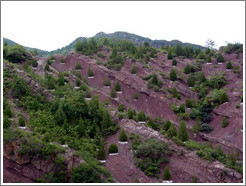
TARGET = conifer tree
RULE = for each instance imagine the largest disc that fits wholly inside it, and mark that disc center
(152, 124)
(187, 68)
(172, 131)
(173, 75)
(113, 93)
(123, 137)
(183, 134)
(117, 86)
(167, 174)
(133, 71)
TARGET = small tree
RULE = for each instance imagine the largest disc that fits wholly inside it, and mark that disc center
(182, 108)
(77, 82)
(123, 137)
(152, 124)
(220, 58)
(121, 107)
(173, 75)
(113, 148)
(223, 98)
(106, 82)
(78, 66)
(174, 63)
(133, 71)
(47, 67)
(136, 96)
(101, 152)
(154, 79)
(130, 113)
(191, 81)
(175, 92)
(228, 65)
(169, 55)
(188, 103)
(62, 60)
(167, 125)
(167, 174)
(224, 122)
(90, 72)
(172, 131)
(187, 68)
(34, 63)
(22, 122)
(231, 159)
(61, 79)
(141, 116)
(117, 86)
(113, 93)
(183, 134)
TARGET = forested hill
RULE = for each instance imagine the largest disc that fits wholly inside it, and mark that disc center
(136, 39)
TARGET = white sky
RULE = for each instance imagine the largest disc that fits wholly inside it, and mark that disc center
(52, 25)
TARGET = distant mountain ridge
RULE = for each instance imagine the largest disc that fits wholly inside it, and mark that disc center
(136, 39)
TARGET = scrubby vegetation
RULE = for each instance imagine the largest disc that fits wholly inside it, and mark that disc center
(149, 155)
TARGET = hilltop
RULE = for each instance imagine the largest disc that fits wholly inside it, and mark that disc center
(136, 39)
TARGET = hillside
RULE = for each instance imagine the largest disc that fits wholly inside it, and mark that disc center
(136, 39)
(113, 112)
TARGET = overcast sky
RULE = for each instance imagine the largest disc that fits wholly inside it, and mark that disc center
(52, 25)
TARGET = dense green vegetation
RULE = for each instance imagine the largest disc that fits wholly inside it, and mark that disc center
(149, 155)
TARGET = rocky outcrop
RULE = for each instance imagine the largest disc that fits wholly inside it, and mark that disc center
(40, 164)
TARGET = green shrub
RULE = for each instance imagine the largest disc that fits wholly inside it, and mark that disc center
(172, 131)
(133, 71)
(228, 65)
(85, 174)
(101, 55)
(188, 103)
(223, 98)
(152, 124)
(123, 137)
(16, 54)
(220, 58)
(121, 107)
(106, 82)
(224, 122)
(113, 93)
(113, 148)
(182, 108)
(236, 69)
(47, 67)
(194, 179)
(34, 63)
(206, 128)
(136, 95)
(78, 66)
(167, 125)
(149, 155)
(130, 113)
(6, 123)
(22, 122)
(174, 63)
(191, 81)
(141, 116)
(175, 92)
(187, 68)
(169, 55)
(117, 86)
(62, 60)
(173, 75)
(90, 72)
(183, 134)
(167, 174)
(101, 152)
(77, 82)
